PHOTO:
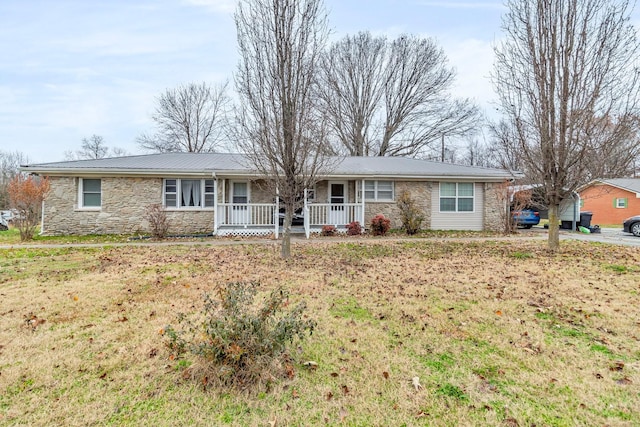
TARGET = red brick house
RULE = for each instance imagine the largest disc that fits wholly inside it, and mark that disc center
(611, 200)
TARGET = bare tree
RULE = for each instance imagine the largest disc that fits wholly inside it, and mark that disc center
(279, 125)
(391, 98)
(562, 66)
(189, 118)
(94, 147)
(10, 163)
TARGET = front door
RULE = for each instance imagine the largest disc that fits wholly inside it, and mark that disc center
(337, 198)
(239, 202)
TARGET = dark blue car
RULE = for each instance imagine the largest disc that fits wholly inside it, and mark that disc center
(526, 218)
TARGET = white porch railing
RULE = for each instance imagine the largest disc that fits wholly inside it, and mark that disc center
(247, 214)
(331, 214)
(243, 215)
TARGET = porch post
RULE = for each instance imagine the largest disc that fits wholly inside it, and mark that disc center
(362, 201)
(305, 217)
(215, 205)
(276, 214)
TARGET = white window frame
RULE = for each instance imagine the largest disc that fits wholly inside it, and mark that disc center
(232, 192)
(621, 202)
(457, 197)
(81, 204)
(376, 190)
(178, 192)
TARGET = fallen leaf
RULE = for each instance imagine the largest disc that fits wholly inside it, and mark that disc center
(624, 381)
(345, 389)
(499, 312)
(290, 371)
(618, 365)
(343, 414)
(329, 395)
(385, 374)
(75, 297)
(273, 422)
(421, 414)
(294, 393)
(415, 381)
(311, 364)
(334, 374)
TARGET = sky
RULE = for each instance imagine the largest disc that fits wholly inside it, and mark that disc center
(70, 69)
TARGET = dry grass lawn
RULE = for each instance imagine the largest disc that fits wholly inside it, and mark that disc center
(498, 333)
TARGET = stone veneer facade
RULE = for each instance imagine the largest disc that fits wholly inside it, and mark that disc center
(124, 201)
(494, 207)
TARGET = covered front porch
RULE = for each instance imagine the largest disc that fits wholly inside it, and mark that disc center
(236, 214)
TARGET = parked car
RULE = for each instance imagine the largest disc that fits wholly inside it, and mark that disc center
(4, 225)
(298, 217)
(632, 225)
(526, 218)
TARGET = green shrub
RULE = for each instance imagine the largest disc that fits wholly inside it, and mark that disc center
(380, 225)
(238, 342)
(410, 214)
(354, 228)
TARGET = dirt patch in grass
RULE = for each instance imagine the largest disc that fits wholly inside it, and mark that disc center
(496, 333)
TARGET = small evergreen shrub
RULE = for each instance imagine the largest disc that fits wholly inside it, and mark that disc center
(328, 230)
(410, 214)
(380, 225)
(157, 218)
(354, 228)
(238, 342)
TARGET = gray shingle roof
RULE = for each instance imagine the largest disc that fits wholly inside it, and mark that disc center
(630, 184)
(236, 164)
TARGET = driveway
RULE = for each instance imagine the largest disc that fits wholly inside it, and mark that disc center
(613, 236)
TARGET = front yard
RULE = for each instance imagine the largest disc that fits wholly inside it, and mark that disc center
(497, 332)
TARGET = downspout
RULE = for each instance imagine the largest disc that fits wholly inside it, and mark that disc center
(42, 219)
(573, 219)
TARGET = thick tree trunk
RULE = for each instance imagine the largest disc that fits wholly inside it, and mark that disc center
(285, 251)
(554, 228)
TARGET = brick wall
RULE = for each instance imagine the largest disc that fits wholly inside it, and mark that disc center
(599, 199)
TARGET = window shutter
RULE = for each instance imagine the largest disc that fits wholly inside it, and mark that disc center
(625, 203)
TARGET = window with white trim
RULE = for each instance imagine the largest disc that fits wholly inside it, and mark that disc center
(378, 191)
(90, 193)
(189, 193)
(621, 203)
(457, 196)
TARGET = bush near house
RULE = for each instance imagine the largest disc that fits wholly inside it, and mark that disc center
(410, 214)
(328, 230)
(354, 228)
(380, 225)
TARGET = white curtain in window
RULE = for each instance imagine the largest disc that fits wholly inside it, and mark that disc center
(186, 186)
(196, 193)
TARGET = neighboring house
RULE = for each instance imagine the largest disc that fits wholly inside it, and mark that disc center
(611, 200)
(220, 194)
